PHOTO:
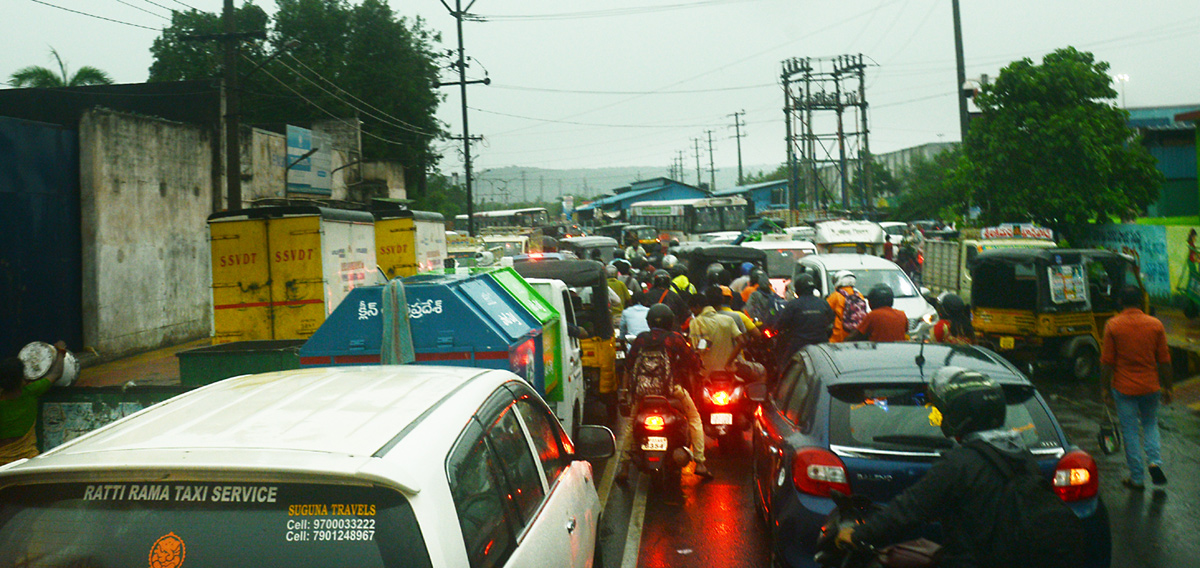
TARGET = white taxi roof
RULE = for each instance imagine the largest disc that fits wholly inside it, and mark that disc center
(305, 421)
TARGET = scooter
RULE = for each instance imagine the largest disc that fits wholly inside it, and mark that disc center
(625, 393)
(851, 510)
(725, 409)
(660, 439)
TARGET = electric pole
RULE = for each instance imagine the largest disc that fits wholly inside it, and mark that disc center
(963, 117)
(712, 172)
(460, 14)
(737, 126)
(696, 150)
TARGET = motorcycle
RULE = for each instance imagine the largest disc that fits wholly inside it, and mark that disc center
(852, 510)
(625, 393)
(725, 409)
(660, 439)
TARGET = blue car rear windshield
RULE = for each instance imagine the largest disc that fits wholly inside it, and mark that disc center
(196, 525)
(902, 418)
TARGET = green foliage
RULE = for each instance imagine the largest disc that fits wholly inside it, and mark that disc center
(882, 184)
(37, 77)
(1051, 147)
(780, 173)
(443, 197)
(326, 59)
(929, 189)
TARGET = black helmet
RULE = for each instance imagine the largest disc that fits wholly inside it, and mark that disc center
(660, 316)
(880, 296)
(622, 265)
(714, 296)
(662, 278)
(952, 304)
(715, 273)
(803, 284)
(968, 400)
(755, 273)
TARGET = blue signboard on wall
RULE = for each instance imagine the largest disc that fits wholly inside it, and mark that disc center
(310, 157)
(1147, 244)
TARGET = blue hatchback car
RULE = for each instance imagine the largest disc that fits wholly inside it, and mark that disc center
(856, 417)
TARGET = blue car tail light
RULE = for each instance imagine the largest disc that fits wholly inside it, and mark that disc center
(817, 471)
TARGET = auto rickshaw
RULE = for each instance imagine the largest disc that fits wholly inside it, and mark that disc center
(700, 256)
(1039, 306)
(590, 248)
(587, 278)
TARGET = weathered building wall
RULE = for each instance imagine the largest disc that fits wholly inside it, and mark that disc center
(146, 192)
(263, 153)
(386, 174)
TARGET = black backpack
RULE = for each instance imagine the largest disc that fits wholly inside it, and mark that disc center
(1034, 527)
(651, 373)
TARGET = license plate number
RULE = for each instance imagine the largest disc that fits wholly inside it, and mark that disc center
(655, 444)
(719, 418)
(1007, 342)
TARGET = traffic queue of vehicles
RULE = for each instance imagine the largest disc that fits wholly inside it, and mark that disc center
(366, 460)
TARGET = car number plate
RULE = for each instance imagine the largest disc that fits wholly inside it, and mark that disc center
(1007, 342)
(655, 444)
(718, 418)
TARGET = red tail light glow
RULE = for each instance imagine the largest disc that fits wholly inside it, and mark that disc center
(720, 397)
(1076, 477)
(816, 471)
(654, 422)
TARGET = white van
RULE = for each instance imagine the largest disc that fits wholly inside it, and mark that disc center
(570, 408)
(332, 466)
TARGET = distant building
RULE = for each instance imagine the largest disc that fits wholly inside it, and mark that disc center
(612, 208)
(765, 196)
(1170, 136)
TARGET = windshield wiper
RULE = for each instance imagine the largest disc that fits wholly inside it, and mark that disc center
(917, 440)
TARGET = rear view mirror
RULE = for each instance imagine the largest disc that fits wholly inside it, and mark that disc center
(595, 442)
(757, 392)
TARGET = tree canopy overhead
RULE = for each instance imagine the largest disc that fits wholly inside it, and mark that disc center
(324, 59)
(1050, 146)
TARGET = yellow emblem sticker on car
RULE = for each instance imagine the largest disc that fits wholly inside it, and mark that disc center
(935, 416)
(168, 552)
(1007, 342)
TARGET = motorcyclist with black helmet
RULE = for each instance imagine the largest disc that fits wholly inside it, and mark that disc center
(963, 489)
(805, 320)
(685, 365)
(662, 292)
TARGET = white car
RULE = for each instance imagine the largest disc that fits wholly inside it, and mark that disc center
(869, 271)
(345, 466)
(895, 231)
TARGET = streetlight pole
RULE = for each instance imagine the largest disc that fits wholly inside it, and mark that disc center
(1122, 79)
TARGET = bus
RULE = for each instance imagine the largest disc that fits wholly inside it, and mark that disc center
(524, 218)
(687, 217)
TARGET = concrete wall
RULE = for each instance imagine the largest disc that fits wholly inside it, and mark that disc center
(146, 191)
(263, 153)
(388, 174)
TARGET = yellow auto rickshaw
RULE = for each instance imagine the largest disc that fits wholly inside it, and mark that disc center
(1044, 306)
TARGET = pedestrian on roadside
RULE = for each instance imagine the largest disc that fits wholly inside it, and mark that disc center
(19, 405)
(1135, 374)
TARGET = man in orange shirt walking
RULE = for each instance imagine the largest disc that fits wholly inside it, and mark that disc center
(883, 323)
(1135, 370)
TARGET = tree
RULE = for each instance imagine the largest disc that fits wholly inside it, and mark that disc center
(882, 184)
(341, 61)
(38, 77)
(1051, 147)
(929, 189)
(780, 173)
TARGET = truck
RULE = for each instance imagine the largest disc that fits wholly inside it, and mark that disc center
(408, 242)
(849, 236)
(947, 266)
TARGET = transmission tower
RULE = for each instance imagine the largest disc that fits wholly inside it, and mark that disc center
(824, 154)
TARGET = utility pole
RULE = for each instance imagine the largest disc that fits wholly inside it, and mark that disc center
(712, 172)
(963, 117)
(696, 149)
(460, 14)
(737, 127)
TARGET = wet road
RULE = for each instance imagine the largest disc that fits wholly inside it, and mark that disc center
(1156, 528)
(713, 523)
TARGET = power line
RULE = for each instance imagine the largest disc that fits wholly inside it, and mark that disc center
(141, 9)
(614, 12)
(398, 122)
(592, 124)
(331, 114)
(96, 17)
(593, 92)
(171, 10)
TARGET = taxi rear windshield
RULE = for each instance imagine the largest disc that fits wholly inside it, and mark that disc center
(103, 525)
(902, 418)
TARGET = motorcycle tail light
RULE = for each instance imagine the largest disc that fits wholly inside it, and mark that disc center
(720, 397)
(817, 471)
(654, 422)
(1076, 477)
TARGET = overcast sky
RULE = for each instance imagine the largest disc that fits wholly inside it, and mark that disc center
(582, 84)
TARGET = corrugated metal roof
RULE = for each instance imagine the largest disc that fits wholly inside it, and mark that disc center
(1160, 118)
(750, 187)
(663, 183)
